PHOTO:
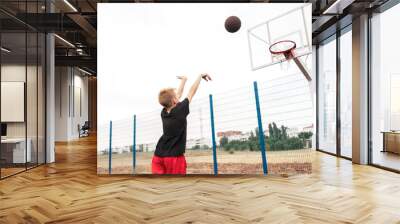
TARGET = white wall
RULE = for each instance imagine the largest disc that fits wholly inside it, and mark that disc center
(62, 81)
(81, 89)
(12, 73)
(71, 102)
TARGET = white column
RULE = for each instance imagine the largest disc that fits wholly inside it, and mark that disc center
(360, 90)
(50, 92)
(313, 90)
(50, 100)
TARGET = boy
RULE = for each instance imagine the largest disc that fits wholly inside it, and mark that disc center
(169, 155)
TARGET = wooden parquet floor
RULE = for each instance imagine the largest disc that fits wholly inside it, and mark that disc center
(70, 191)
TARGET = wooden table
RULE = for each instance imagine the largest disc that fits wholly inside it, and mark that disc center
(391, 141)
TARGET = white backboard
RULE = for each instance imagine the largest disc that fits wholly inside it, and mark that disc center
(293, 25)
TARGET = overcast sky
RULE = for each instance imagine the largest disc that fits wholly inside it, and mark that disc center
(142, 47)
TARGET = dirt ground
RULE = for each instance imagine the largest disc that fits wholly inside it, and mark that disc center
(287, 162)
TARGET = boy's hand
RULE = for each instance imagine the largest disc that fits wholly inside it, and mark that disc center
(181, 77)
(206, 77)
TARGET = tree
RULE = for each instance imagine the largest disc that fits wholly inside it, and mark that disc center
(223, 142)
(294, 143)
(205, 146)
(270, 130)
(236, 146)
(279, 139)
(257, 133)
(253, 141)
(284, 134)
(276, 131)
(251, 135)
(195, 147)
(305, 135)
(251, 146)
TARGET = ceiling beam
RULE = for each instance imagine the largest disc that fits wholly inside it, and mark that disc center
(82, 61)
(320, 22)
(84, 24)
(337, 7)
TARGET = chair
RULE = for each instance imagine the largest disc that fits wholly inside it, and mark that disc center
(84, 130)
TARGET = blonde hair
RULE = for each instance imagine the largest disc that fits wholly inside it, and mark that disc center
(166, 96)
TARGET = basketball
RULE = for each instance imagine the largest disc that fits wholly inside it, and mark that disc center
(232, 24)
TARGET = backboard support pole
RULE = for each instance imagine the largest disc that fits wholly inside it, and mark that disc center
(303, 69)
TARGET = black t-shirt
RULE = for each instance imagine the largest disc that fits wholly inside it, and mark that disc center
(173, 140)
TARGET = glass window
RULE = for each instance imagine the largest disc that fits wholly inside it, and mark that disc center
(32, 94)
(327, 96)
(22, 92)
(385, 89)
(346, 92)
(14, 150)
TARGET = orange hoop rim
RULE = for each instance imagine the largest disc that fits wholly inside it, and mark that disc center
(286, 52)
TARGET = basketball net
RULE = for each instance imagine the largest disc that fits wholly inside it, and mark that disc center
(285, 65)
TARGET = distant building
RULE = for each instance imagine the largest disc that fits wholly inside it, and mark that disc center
(121, 149)
(228, 133)
(233, 135)
(309, 128)
(197, 143)
(146, 147)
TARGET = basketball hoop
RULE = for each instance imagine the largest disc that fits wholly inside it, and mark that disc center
(283, 51)
(283, 47)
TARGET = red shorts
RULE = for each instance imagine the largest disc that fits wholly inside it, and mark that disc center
(168, 165)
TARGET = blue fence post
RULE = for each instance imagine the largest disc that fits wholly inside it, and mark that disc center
(134, 145)
(214, 145)
(260, 130)
(110, 149)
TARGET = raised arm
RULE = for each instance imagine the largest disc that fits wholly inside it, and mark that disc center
(179, 91)
(196, 84)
